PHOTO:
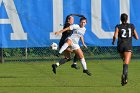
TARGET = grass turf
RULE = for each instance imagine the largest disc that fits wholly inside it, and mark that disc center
(37, 77)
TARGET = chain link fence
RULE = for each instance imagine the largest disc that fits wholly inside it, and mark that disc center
(46, 54)
(39, 54)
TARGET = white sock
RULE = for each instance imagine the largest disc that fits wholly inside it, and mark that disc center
(64, 47)
(83, 62)
(57, 63)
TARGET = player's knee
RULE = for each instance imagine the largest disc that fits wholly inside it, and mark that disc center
(69, 42)
(68, 59)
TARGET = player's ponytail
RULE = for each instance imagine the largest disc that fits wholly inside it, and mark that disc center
(77, 15)
(124, 18)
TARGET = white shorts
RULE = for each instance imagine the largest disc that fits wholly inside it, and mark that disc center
(74, 46)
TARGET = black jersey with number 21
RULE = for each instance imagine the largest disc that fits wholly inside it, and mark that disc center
(125, 35)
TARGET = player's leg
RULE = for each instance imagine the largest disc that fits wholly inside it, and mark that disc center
(75, 59)
(120, 49)
(127, 58)
(123, 76)
(67, 54)
(79, 52)
(64, 47)
(67, 57)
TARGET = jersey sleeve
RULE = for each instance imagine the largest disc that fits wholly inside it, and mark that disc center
(74, 26)
(132, 26)
(83, 31)
(117, 26)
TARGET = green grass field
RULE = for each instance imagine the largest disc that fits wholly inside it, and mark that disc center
(37, 77)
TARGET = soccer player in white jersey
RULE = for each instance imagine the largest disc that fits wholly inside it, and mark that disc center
(73, 40)
(67, 53)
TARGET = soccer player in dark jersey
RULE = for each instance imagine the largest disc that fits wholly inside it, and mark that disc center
(67, 53)
(124, 31)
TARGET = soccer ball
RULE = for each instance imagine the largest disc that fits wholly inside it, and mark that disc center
(54, 46)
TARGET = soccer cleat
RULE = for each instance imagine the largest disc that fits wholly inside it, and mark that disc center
(87, 72)
(124, 80)
(54, 66)
(75, 66)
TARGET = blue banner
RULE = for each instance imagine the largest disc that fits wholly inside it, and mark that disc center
(32, 23)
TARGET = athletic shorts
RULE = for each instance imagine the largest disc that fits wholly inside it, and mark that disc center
(74, 45)
(124, 48)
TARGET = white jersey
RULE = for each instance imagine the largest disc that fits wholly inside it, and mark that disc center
(77, 33)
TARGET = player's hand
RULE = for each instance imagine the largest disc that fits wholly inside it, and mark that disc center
(56, 33)
(85, 46)
(113, 43)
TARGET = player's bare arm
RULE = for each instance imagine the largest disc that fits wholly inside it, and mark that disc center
(115, 36)
(136, 35)
(82, 40)
(63, 30)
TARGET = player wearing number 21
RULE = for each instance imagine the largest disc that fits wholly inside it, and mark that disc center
(124, 31)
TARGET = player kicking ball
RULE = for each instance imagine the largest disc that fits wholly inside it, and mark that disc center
(73, 40)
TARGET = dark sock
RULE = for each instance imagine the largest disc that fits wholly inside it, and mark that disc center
(62, 61)
(75, 59)
(125, 69)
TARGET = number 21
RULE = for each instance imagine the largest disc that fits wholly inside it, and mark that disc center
(124, 33)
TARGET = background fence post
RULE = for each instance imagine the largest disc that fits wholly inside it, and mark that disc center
(1, 56)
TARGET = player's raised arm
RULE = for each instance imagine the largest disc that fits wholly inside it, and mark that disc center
(61, 31)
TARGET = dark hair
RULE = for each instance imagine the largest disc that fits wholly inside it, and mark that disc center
(79, 15)
(83, 18)
(124, 18)
(70, 15)
(68, 18)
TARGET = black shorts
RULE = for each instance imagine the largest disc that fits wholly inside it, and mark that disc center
(124, 48)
